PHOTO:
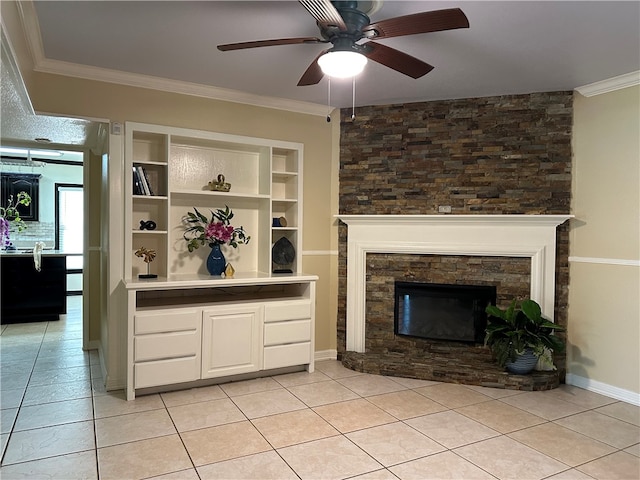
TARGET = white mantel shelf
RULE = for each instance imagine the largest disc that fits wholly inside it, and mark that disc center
(483, 220)
(532, 236)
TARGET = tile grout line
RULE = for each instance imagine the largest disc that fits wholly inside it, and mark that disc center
(24, 394)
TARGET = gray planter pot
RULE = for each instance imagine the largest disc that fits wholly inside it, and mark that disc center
(523, 364)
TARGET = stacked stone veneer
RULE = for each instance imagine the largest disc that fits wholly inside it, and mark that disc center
(495, 155)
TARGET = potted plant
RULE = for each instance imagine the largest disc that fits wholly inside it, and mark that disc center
(519, 336)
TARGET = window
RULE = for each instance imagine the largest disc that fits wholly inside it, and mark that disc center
(69, 218)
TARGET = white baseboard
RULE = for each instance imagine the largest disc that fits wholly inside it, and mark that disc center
(603, 389)
(92, 345)
(330, 354)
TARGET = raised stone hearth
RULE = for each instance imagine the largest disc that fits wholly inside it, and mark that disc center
(516, 253)
(449, 363)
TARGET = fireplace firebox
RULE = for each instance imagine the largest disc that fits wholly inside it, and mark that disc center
(442, 312)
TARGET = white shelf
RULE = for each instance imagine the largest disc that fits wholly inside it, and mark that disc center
(182, 281)
(150, 162)
(277, 174)
(149, 197)
(214, 193)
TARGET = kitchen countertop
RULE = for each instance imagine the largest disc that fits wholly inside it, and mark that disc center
(26, 252)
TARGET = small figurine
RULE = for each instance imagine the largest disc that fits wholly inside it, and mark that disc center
(229, 271)
(148, 256)
(220, 185)
(147, 225)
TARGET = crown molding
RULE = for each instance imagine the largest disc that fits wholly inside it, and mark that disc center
(75, 70)
(42, 64)
(610, 85)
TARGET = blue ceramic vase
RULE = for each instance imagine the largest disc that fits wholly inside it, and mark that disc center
(216, 262)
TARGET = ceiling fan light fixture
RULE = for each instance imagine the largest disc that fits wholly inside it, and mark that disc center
(342, 63)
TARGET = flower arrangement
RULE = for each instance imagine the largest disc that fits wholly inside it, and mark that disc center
(214, 231)
(10, 217)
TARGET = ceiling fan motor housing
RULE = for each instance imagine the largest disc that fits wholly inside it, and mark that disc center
(355, 21)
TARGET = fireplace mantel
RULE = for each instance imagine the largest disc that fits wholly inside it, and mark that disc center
(532, 236)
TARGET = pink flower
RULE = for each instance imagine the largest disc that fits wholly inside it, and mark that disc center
(217, 232)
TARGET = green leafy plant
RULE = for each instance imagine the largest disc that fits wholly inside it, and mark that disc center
(520, 326)
(10, 217)
(216, 230)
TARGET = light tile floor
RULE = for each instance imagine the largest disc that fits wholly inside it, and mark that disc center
(58, 422)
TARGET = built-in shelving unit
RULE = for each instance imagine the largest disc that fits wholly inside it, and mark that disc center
(266, 183)
(186, 325)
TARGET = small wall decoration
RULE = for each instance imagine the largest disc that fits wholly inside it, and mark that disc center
(148, 256)
(220, 185)
(147, 225)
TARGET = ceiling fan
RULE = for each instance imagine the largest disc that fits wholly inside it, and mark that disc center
(342, 24)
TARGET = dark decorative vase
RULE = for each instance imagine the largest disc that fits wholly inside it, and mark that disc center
(216, 262)
(523, 364)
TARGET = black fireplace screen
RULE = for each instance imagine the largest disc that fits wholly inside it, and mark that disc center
(442, 312)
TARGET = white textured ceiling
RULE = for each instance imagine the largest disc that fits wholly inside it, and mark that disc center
(511, 47)
(20, 125)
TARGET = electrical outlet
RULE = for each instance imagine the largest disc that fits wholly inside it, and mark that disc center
(444, 208)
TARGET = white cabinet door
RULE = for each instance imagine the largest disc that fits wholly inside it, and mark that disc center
(231, 340)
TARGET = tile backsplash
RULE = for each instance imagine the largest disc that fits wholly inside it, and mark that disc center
(35, 232)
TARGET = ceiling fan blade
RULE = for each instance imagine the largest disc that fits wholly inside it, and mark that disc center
(395, 59)
(313, 74)
(424, 22)
(268, 43)
(325, 13)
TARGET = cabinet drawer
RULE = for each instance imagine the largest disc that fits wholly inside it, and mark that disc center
(166, 321)
(166, 345)
(287, 355)
(165, 372)
(287, 310)
(287, 332)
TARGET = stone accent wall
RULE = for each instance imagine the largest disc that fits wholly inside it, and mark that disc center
(494, 155)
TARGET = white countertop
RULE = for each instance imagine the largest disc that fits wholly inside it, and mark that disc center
(29, 253)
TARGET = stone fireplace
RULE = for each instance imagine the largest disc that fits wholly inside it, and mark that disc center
(502, 167)
(521, 252)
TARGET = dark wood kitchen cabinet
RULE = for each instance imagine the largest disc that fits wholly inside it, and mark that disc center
(13, 183)
(29, 295)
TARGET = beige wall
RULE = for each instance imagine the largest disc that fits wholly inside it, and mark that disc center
(604, 289)
(84, 98)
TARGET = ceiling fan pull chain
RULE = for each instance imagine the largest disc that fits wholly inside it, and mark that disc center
(329, 99)
(353, 100)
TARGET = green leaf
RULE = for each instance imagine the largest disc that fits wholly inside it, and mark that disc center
(532, 310)
(495, 311)
(201, 217)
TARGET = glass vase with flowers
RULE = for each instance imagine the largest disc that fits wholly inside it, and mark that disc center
(10, 217)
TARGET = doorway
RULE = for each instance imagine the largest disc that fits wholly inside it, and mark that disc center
(69, 231)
